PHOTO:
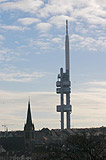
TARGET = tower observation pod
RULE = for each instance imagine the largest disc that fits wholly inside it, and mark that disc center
(63, 85)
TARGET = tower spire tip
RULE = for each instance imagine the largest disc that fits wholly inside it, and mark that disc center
(66, 26)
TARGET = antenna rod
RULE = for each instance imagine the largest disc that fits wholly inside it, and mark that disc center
(66, 27)
(67, 50)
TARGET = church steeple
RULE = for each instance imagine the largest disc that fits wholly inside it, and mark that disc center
(29, 130)
(29, 118)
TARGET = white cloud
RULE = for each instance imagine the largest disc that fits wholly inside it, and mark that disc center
(92, 11)
(102, 3)
(76, 37)
(91, 43)
(59, 21)
(46, 35)
(47, 43)
(14, 28)
(23, 5)
(88, 108)
(3, 0)
(20, 76)
(54, 7)
(41, 43)
(28, 21)
(57, 40)
(43, 27)
(97, 83)
(6, 54)
(9, 54)
(2, 37)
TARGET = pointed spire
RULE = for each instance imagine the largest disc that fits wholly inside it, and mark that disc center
(29, 118)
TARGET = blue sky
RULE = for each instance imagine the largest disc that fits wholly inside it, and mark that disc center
(32, 35)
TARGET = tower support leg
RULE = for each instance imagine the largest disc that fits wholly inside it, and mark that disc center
(68, 120)
(62, 100)
(68, 112)
(62, 120)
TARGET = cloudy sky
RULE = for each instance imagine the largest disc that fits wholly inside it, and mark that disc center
(32, 34)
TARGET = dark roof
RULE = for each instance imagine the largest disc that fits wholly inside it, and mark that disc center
(12, 143)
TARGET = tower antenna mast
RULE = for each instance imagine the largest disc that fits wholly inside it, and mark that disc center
(63, 86)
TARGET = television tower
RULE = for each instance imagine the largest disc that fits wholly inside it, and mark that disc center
(63, 86)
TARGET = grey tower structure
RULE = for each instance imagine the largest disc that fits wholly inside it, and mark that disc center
(63, 86)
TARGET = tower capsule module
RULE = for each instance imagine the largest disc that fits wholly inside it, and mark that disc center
(63, 86)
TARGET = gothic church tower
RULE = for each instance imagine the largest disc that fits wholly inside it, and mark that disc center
(29, 131)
